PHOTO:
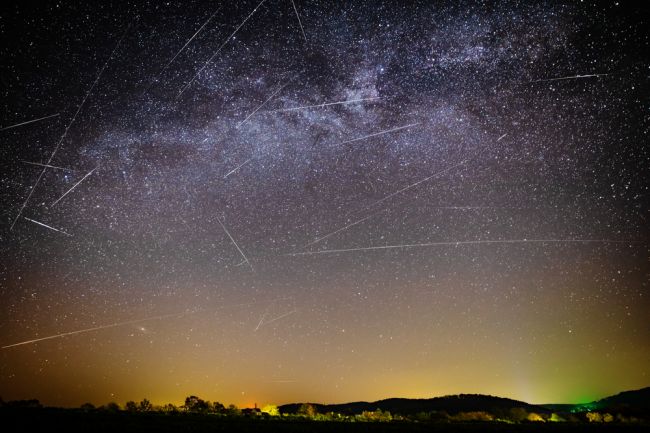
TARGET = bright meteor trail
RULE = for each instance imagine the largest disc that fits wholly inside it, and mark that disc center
(387, 131)
(235, 244)
(74, 186)
(96, 328)
(275, 319)
(325, 104)
(28, 122)
(572, 77)
(261, 105)
(238, 167)
(46, 226)
(458, 243)
(131, 322)
(47, 165)
(413, 185)
(352, 224)
(299, 21)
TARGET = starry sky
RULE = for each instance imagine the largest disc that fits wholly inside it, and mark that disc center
(284, 201)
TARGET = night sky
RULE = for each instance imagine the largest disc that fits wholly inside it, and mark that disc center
(316, 201)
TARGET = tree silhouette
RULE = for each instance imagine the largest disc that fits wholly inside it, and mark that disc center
(169, 408)
(145, 406)
(518, 414)
(111, 407)
(308, 410)
(218, 407)
(87, 407)
(195, 404)
(233, 410)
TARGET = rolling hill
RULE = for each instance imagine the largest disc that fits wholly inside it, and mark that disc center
(635, 402)
(404, 406)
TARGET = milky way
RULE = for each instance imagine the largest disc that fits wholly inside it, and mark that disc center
(273, 158)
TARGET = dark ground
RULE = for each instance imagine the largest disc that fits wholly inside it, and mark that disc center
(62, 420)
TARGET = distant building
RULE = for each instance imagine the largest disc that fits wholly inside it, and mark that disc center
(252, 411)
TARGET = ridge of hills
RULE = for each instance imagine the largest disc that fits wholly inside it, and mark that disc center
(628, 401)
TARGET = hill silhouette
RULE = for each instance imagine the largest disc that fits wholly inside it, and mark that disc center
(639, 398)
(635, 402)
(452, 405)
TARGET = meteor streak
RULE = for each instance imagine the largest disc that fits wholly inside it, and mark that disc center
(573, 77)
(413, 185)
(74, 186)
(279, 317)
(261, 105)
(28, 122)
(260, 322)
(343, 228)
(266, 311)
(399, 128)
(299, 22)
(96, 328)
(47, 165)
(386, 208)
(384, 199)
(236, 246)
(238, 167)
(327, 104)
(456, 243)
(45, 225)
(128, 322)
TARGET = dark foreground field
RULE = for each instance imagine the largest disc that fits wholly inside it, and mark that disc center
(61, 420)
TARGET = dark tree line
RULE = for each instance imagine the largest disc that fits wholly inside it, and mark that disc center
(193, 404)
